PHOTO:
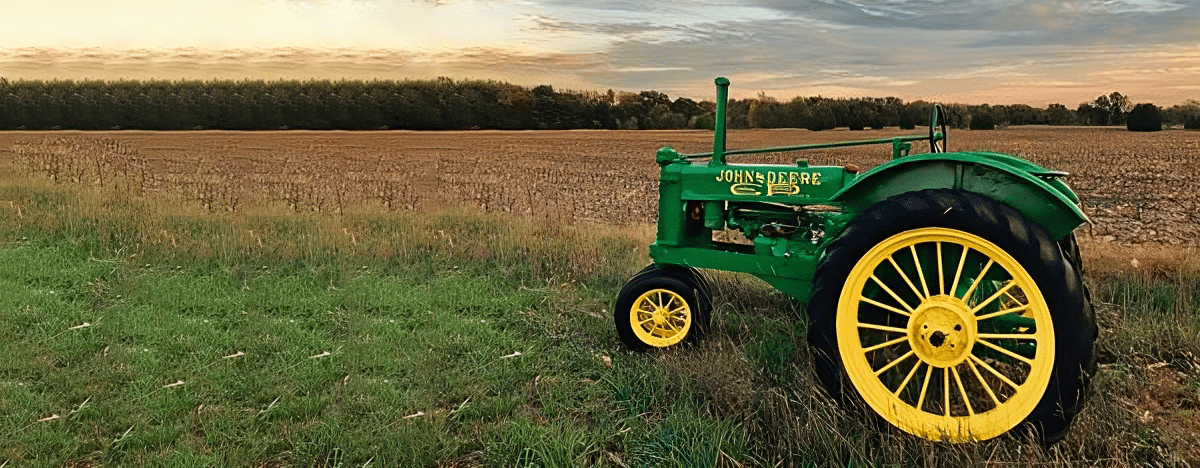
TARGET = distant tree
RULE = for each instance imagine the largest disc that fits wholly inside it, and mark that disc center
(1186, 114)
(737, 113)
(1058, 114)
(860, 115)
(1144, 118)
(983, 117)
(1092, 114)
(821, 114)
(1192, 121)
(1107, 109)
(1118, 107)
(983, 121)
(765, 112)
(906, 121)
(796, 113)
(685, 106)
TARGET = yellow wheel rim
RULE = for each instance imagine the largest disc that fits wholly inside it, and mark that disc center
(660, 317)
(945, 335)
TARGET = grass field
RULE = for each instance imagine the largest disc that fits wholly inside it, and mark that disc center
(146, 330)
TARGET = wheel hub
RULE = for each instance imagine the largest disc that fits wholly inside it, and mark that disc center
(942, 331)
(660, 315)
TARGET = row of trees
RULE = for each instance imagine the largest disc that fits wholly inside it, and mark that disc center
(445, 104)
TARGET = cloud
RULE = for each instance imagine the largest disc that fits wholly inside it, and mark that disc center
(648, 69)
(1137, 6)
(986, 72)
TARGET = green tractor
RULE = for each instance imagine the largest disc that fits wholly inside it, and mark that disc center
(944, 290)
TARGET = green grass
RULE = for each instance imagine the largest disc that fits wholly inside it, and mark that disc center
(422, 316)
(399, 344)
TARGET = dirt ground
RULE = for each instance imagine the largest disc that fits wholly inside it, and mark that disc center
(1136, 187)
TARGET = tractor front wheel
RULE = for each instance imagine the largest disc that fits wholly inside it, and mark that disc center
(662, 307)
(953, 318)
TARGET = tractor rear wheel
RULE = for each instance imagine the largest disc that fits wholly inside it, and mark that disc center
(662, 307)
(953, 317)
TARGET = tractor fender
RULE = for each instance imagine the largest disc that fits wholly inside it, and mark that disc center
(1036, 192)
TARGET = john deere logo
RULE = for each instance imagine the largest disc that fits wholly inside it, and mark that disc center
(768, 182)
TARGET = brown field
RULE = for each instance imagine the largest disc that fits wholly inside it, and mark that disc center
(1137, 188)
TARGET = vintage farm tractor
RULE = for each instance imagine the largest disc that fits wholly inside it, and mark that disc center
(944, 289)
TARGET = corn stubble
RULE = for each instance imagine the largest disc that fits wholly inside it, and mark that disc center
(1137, 188)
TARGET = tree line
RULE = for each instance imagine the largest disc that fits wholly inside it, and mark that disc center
(446, 104)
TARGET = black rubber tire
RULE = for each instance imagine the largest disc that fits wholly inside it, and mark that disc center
(1055, 271)
(693, 277)
(686, 282)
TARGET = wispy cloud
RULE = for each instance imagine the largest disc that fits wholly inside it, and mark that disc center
(648, 69)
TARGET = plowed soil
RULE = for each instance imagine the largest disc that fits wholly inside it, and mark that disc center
(1136, 187)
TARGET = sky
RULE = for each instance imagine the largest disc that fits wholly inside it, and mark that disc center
(971, 51)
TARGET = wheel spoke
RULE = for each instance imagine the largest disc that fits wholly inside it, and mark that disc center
(994, 371)
(884, 306)
(1015, 300)
(978, 279)
(658, 299)
(911, 373)
(982, 382)
(1007, 352)
(993, 297)
(941, 276)
(963, 391)
(905, 276)
(946, 389)
(882, 327)
(680, 310)
(962, 260)
(892, 293)
(1007, 336)
(920, 271)
(924, 388)
(1001, 312)
(886, 344)
(643, 322)
(893, 363)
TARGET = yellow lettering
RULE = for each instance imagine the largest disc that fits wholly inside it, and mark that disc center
(804, 177)
(744, 189)
(759, 177)
(791, 178)
(782, 189)
(772, 177)
(816, 178)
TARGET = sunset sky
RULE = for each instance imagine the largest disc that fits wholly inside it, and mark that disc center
(973, 51)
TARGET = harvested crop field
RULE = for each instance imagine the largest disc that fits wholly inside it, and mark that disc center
(1136, 187)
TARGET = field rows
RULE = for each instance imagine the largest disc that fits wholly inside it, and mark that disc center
(1137, 188)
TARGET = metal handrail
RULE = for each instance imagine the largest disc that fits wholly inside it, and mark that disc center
(836, 144)
(900, 146)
